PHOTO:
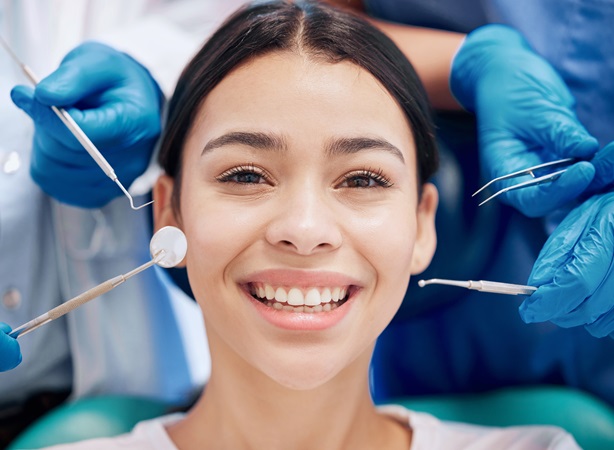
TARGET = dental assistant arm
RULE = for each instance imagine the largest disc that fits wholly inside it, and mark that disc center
(524, 111)
(430, 52)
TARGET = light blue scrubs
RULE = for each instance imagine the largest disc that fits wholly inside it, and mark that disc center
(462, 341)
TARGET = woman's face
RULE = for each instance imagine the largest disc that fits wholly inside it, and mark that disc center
(299, 203)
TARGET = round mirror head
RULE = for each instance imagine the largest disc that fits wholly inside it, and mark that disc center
(173, 242)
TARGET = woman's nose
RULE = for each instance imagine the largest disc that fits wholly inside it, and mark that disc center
(306, 223)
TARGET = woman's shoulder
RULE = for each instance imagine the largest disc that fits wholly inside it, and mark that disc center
(428, 432)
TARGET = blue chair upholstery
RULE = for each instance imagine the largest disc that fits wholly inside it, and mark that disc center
(588, 419)
(89, 418)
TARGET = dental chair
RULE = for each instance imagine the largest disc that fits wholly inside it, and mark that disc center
(587, 418)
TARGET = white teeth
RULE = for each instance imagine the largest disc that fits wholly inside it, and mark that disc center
(335, 294)
(326, 295)
(295, 297)
(301, 309)
(269, 292)
(280, 295)
(312, 298)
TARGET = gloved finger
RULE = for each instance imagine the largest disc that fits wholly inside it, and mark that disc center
(602, 327)
(591, 267)
(603, 162)
(580, 278)
(558, 131)
(10, 354)
(539, 200)
(114, 125)
(119, 124)
(44, 118)
(45, 169)
(556, 251)
(86, 70)
(555, 299)
(51, 175)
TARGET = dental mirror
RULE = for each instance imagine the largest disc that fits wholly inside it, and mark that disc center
(174, 244)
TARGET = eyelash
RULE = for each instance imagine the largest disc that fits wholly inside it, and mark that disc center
(376, 175)
(231, 176)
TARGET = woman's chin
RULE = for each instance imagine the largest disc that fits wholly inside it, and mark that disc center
(302, 377)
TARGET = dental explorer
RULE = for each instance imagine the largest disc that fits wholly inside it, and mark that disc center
(76, 131)
(484, 286)
(168, 247)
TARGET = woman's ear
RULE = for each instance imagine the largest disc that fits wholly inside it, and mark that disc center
(164, 213)
(426, 236)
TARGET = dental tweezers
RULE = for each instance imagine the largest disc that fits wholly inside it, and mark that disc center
(484, 286)
(76, 130)
(529, 171)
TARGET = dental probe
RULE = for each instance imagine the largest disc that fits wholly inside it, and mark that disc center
(76, 131)
(168, 248)
(484, 286)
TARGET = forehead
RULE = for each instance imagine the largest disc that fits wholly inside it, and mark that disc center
(302, 97)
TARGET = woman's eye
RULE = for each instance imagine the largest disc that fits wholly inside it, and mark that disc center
(243, 175)
(365, 179)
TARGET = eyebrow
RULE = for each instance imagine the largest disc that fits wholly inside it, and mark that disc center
(334, 147)
(257, 140)
(346, 146)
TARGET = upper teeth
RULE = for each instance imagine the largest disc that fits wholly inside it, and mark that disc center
(299, 296)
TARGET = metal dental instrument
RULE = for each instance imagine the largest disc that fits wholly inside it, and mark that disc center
(75, 130)
(484, 286)
(529, 171)
(167, 247)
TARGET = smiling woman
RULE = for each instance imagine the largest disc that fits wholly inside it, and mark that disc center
(296, 157)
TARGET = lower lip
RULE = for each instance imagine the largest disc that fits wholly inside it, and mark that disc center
(297, 321)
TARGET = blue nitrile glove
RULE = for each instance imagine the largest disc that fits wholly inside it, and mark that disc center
(10, 355)
(117, 104)
(603, 161)
(524, 116)
(574, 271)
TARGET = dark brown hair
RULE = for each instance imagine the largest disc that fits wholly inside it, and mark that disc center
(316, 29)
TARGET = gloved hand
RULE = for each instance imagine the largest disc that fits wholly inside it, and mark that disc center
(117, 104)
(603, 161)
(10, 355)
(574, 271)
(524, 116)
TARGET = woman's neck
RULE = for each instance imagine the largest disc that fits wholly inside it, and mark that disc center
(243, 409)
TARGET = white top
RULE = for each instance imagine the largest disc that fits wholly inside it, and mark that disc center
(428, 433)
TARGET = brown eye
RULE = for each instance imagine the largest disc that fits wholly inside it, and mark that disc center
(244, 175)
(365, 179)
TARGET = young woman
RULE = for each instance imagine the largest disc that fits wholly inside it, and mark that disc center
(296, 156)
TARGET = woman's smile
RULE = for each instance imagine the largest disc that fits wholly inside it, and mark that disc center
(299, 300)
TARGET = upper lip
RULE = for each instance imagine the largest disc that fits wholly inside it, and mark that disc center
(300, 278)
